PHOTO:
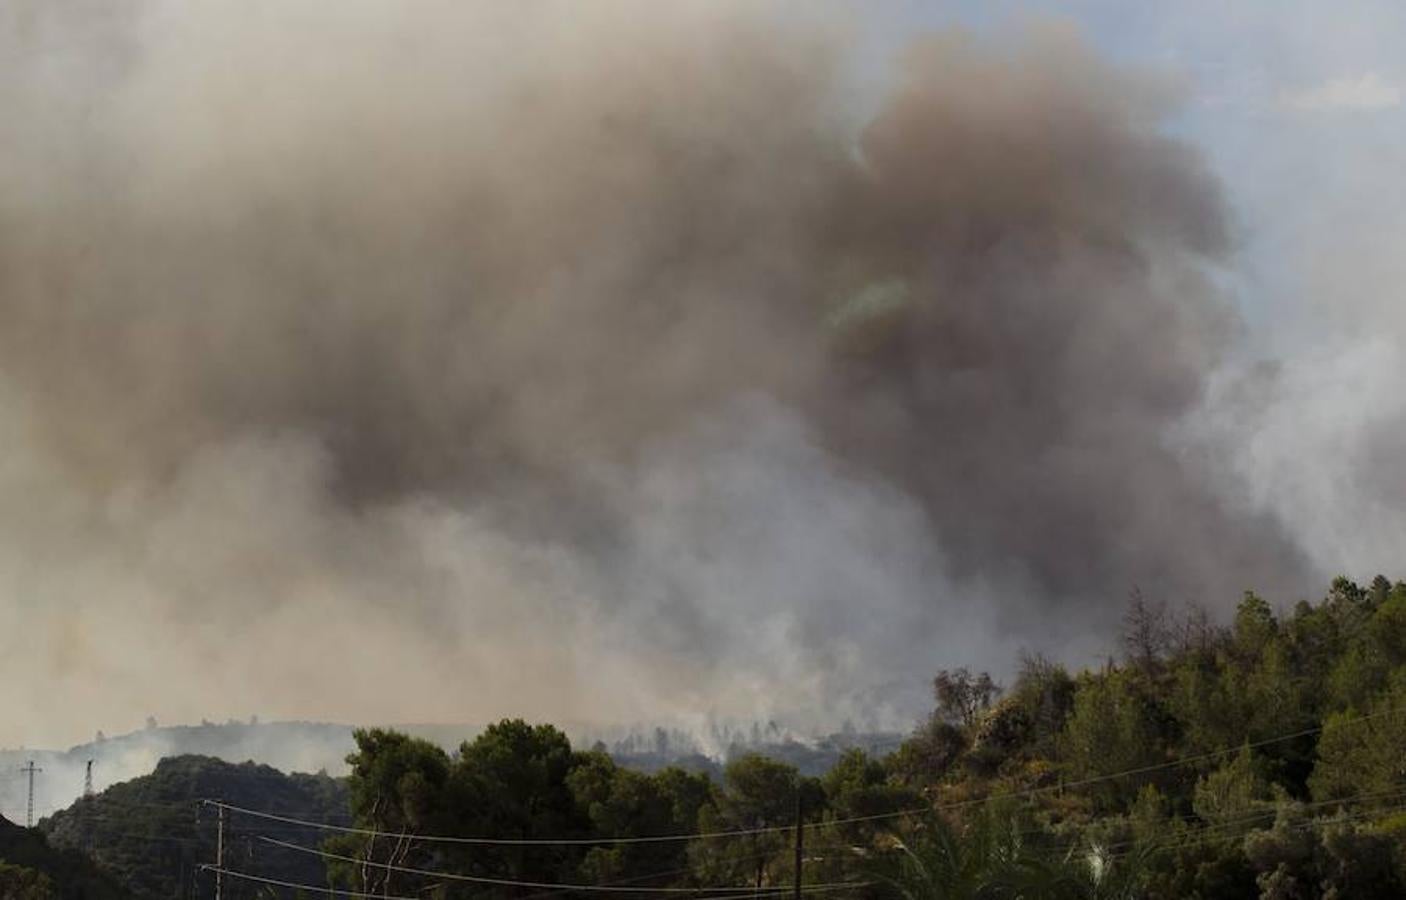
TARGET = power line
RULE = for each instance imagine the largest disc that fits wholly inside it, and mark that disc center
(1155, 767)
(133, 836)
(1199, 834)
(362, 895)
(1192, 838)
(1193, 828)
(503, 842)
(541, 895)
(1185, 840)
(742, 832)
(1199, 838)
(745, 889)
(1232, 823)
(1195, 839)
(338, 892)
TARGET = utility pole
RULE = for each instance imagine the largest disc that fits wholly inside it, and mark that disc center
(88, 780)
(29, 807)
(800, 830)
(220, 853)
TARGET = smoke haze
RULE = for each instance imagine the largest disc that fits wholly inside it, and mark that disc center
(440, 361)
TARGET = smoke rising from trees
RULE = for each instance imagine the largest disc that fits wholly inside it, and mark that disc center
(439, 361)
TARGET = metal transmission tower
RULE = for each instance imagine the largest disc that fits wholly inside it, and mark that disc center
(88, 780)
(29, 806)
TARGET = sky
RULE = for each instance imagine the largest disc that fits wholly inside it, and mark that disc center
(443, 361)
(1300, 109)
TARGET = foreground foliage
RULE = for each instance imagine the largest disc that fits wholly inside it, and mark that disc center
(32, 869)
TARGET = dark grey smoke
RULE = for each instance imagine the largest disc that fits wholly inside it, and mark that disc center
(439, 361)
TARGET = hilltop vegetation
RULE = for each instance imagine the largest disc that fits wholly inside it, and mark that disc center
(314, 746)
(1258, 758)
(288, 746)
(1261, 758)
(151, 834)
(31, 869)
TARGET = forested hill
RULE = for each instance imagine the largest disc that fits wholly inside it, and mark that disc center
(288, 746)
(30, 869)
(152, 835)
(1259, 758)
(315, 746)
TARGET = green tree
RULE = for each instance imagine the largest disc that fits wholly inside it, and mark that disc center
(18, 883)
(624, 804)
(1357, 676)
(398, 788)
(996, 855)
(929, 754)
(1206, 697)
(1276, 702)
(1116, 726)
(1255, 626)
(1231, 792)
(757, 793)
(687, 793)
(858, 786)
(512, 781)
(397, 782)
(1360, 755)
(1388, 624)
(1360, 864)
(986, 859)
(1044, 692)
(1302, 858)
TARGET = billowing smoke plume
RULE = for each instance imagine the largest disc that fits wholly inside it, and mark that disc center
(440, 360)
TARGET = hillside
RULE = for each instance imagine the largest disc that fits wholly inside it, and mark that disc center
(287, 746)
(323, 746)
(152, 834)
(31, 869)
(1259, 758)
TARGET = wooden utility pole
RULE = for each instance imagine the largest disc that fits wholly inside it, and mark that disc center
(29, 806)
(800, 830)
(220, 853)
